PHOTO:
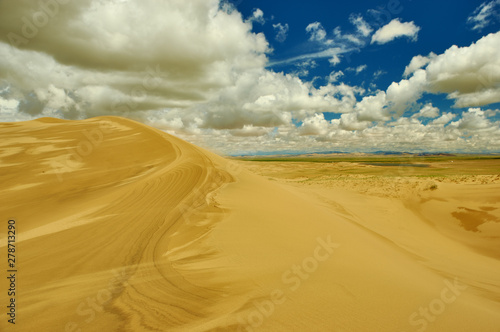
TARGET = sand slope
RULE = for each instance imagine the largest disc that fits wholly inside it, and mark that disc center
(125, 228)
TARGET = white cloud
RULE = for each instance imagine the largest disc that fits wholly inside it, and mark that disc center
(199, 71)
(106, 35)
(250, 131)
(363, 28)
(334, 76)
(351, 122)
(350, 133)
(403, 94)
(193, 50)
(444, 119)
(268, 99)
(333, 45)
(314, 125)
(360, 68)
(8, 110)
(351, 40)
(334, 60)
(484, 14)
(333, 54)
(470, 74)
(373, 108)
(428, 111)
(281, 31)
(303, 67)
(491, 113)
(474, 119)
(316, 31)
(379, 73)
(418, 62)
(357, 69)
(257, 16)
(395, 29)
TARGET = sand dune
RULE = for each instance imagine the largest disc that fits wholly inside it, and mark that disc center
(125, 228)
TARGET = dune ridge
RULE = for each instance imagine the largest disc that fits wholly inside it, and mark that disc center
(115, 205)
(126, 228)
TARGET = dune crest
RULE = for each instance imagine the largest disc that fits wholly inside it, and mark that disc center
(103, 196)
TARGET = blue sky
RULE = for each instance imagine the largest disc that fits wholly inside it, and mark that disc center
(442, 24)
(241, 76)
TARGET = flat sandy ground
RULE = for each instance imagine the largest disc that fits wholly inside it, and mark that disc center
(121, 227)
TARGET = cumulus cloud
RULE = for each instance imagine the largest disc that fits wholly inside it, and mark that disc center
(269, 99)
(9, 110)
(373, 108)
(218, 82)
(473, 119)
(250, 131)
(196, 69)
(314, 125)
(418, 62)
(444, 119)
(106, 35)
(402, 95)
(395, 29)
(470, 74)
(281, 32)
(428, 111)
(90, 52)
(350, 122)
(401, 134)
(484, 15)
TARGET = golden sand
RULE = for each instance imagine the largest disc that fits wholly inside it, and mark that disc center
(121, 227)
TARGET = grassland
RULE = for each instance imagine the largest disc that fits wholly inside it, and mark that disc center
(401, 165)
